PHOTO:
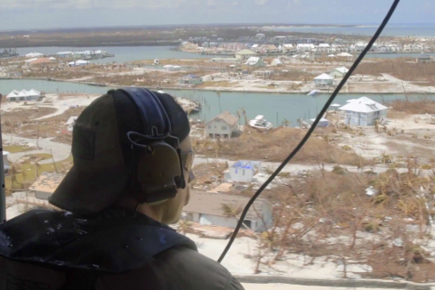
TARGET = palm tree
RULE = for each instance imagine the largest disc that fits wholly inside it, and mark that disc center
(233, 211)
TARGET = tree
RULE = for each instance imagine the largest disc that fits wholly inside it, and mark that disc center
(184, 226)
(233, 211)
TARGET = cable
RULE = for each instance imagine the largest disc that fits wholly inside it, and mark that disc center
(311, 130)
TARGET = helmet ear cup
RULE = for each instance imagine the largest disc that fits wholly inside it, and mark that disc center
(159, 173)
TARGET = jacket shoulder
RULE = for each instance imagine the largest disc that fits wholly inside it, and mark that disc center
(176, 268)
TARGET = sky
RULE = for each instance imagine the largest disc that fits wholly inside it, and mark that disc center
(38, 14)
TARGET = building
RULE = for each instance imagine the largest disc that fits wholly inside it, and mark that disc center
(245, 54)
(345, 55)
(170, 67)
(339, 72)
(255, 61)
(276, 62)
(78, 63)
(242, 171)
(323, 80)
(64, 54)
(23, 95)
(262, 73)
(33, 54)
(363, 112)
(191, 80)
(46, 184)
(207, 209)
(222, 126)
(424, 58)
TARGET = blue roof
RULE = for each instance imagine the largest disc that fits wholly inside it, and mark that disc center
(245, 165)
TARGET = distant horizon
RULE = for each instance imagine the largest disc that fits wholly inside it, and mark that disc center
(207, 25)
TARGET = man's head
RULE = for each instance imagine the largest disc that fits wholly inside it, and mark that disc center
(112, 153)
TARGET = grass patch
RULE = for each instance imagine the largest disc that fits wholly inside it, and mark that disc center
(16, 148)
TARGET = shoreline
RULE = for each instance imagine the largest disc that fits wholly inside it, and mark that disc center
(226, 90)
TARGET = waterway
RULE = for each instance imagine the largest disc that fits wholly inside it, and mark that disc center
(122, 53)
(275, 107)
(133, 53)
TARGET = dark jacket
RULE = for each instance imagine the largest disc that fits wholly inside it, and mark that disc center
(115, 249)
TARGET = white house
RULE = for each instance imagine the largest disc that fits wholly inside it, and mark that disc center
(242, 171)
(23, 95)
(339, 72)
(345, 55)
(323, 80)
(276, 62)
(191, 80)
(78, 63)
(207, 209)
(363, 112)
(245, 54)
(222, 126)
(255, 62)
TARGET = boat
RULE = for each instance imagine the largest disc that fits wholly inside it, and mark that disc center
(156, 62)
(313, 93)
(260, 123)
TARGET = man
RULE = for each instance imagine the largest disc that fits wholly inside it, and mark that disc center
(129, 179)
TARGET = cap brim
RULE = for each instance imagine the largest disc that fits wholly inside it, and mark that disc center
(86, 193)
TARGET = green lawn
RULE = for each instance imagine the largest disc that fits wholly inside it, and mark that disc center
(16, 148)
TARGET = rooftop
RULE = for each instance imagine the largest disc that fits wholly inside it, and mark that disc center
(227, 117)
(211, 203)
(363, 105)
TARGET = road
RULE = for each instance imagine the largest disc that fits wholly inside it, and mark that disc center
(59, 151)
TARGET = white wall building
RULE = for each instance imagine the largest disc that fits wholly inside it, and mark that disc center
(222, 126)
(243, 171)
(206, 209)
(363, 112)
(23, 95)
(323, 80)
(339, 72)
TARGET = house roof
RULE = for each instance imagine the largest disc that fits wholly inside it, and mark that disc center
(363, 105)
(47, 182)
(211, 203)
(252, 60)
(227, 117)
(245, 52)
(345, 54)
(324, 77)
(342, 70)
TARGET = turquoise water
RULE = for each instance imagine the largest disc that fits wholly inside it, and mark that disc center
(275, 107)
(122, 53)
